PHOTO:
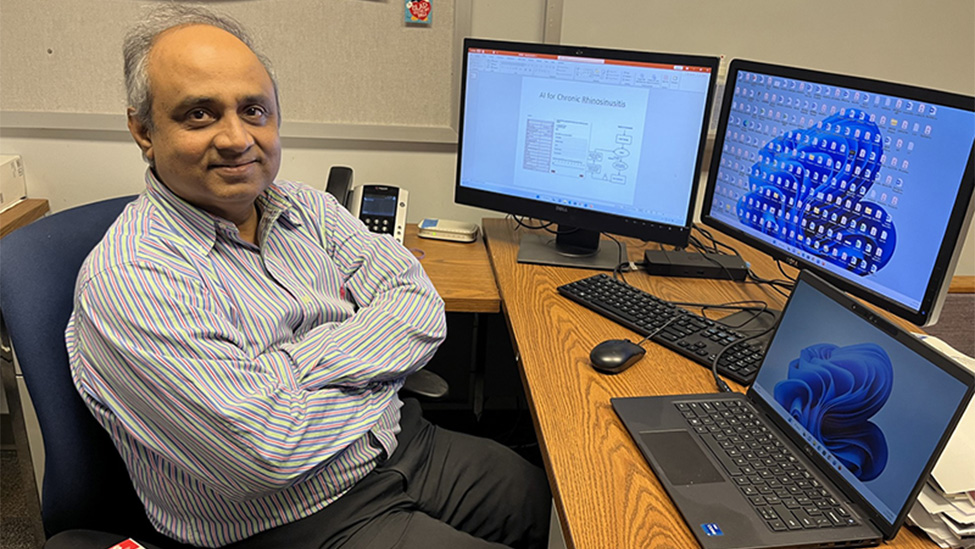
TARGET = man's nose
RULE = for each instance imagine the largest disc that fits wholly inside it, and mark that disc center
(233, 135)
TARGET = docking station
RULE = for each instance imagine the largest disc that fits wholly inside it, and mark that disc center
(695, 265)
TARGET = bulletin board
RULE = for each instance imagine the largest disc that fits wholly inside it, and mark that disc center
(356, 65)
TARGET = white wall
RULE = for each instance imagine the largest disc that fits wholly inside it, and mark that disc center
(70, 167)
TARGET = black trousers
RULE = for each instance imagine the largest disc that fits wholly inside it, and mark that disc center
(439, 489)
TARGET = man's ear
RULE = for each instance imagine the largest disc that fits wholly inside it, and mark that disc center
(141, 134)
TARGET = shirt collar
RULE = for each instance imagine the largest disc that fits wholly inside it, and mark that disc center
(200, 228)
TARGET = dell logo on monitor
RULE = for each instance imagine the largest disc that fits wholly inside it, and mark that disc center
(561, 209)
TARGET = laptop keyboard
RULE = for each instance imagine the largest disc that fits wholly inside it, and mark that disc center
(771, 478)
(691, 335)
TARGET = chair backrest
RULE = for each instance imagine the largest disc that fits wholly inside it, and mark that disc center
(85, 481)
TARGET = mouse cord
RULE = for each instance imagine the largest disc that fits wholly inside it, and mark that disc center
(659, 329)
(722, 386)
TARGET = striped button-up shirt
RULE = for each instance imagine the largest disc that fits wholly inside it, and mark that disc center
(247, 386)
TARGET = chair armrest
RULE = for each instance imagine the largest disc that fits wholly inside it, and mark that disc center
(427, 385)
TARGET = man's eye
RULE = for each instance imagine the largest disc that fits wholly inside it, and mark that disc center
(198, 115)
(255, 111)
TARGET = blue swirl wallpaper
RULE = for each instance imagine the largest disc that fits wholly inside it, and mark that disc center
(833, 392)
(808, 189)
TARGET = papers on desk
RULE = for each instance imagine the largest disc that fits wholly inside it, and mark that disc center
(945, 508)
(949, 519)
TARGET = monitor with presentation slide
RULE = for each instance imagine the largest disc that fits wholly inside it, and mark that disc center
(594, 140)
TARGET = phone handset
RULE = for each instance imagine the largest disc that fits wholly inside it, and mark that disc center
(339, 183)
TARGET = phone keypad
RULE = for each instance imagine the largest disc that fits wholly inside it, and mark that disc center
(382, 225)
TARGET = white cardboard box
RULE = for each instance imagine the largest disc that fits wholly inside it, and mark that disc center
(13, 184)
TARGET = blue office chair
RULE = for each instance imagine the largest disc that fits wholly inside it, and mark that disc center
(85, 483)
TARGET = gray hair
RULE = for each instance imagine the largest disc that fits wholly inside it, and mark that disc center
(140, 39)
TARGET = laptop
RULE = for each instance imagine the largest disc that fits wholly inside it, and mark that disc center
(829, 447)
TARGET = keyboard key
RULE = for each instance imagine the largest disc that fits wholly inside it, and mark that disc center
(792, 523)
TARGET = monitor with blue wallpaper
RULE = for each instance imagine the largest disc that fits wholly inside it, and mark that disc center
(867, 183)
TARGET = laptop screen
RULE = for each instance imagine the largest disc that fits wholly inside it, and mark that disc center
(874, 409)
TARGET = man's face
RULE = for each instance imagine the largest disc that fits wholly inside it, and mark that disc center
(215, 137)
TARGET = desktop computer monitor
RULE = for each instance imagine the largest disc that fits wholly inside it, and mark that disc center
(595, 140)
(867, 183)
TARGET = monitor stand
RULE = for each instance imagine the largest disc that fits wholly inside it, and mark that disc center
(571, 248)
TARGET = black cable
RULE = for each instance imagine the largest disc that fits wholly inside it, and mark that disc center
(700, 245)
(621, 268)
(758, 313)
(543, 225)
(707, 234)
(659, 329)
(733, 305)
(722, 385)
(563, 230)
(786, 284)
(620, 260)
(774, 284)
(778, 263)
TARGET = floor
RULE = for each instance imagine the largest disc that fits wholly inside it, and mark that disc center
(20, 518)
(16, 524)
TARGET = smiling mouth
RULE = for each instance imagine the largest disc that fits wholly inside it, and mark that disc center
(233, 165)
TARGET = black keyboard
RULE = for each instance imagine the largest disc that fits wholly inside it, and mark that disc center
(691, 335)
(776, 484)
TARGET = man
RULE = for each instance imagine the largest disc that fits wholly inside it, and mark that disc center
(243, 339)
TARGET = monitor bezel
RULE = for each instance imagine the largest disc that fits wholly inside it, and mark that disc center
(676, 235)
(961, 213)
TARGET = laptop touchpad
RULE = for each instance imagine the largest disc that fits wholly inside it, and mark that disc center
(682, 460)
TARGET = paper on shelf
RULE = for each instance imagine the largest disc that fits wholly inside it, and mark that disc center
(932, 501)
(962, 503)
(962, 530)
(934, 528)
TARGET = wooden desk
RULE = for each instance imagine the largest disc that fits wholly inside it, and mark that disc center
(460, 271)
(605, 493)
(21, 214)
(462, 275)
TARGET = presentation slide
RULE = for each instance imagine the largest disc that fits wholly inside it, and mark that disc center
(584, 138)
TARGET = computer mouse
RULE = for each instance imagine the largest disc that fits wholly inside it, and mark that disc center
(615, 355)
